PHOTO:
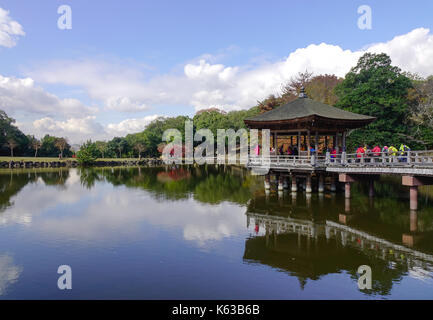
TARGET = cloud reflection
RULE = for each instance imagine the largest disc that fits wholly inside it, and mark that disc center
(9, 272)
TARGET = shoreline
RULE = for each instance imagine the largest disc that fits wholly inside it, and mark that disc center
(72, 163)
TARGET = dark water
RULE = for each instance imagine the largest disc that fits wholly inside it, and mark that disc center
(206, 233)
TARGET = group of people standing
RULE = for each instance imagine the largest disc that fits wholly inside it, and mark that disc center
(385, 150)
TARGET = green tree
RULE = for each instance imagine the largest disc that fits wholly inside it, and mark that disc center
(87, 154)
(376, 88)
(102, 147)
(11, 138)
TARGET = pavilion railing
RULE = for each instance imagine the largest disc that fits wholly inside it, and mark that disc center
(284, 161)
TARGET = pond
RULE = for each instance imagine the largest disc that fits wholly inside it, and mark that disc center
(206, 233)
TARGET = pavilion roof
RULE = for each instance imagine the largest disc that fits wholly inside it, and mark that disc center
(304, 107)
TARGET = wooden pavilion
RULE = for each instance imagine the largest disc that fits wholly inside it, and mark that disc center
(307, 123)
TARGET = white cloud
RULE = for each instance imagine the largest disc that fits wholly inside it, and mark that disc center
(129, 126)
(412, 52)
(10, 30)
(78, 130)
(203, 84)
(19, 95)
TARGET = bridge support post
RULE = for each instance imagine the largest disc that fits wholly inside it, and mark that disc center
(333, 184)
(413, 191)
(280, 182)
(308, 188)
(267, 182)
(286, 183)
(294, 184)
(347, 190)
(321, 183)
(371, 189)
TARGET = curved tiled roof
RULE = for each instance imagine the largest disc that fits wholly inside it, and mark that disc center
(304, 107)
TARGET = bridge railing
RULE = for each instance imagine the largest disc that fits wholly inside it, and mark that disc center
(398, 158)
(284, 161)
(390, 159)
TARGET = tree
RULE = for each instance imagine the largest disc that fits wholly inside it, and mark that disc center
(102, 147)
(321, 88)
(140, 148)
(291, 90)
(35, 145)
(8, 131)
(87, 154)
(61, 144)
(11, 144)
(49, 148)
(376, 88)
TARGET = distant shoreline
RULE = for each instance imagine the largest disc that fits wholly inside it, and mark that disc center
(27, 162)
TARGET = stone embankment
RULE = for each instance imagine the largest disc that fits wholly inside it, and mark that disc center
(74, 163)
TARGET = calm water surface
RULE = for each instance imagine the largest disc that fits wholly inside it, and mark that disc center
(206, 233)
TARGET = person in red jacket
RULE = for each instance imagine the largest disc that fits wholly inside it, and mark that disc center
(360, 152)
(376, 151)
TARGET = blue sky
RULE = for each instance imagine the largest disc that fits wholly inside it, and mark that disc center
(125, 62)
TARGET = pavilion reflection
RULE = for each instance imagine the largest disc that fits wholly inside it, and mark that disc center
(309, 244)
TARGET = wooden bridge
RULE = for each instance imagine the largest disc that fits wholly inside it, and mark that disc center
(415, 168)
(410, 162)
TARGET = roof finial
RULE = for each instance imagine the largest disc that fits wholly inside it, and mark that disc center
(302, 93)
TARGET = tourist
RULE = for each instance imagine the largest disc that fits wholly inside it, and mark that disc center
(295, 151)
(257, 150)
(360, 152)
(404, 152)
(333, 154)
(289, 151)
(376, 151)
(392, 151)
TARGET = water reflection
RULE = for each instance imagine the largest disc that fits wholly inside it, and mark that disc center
(9, 272)
(307, 237)
(310, 243)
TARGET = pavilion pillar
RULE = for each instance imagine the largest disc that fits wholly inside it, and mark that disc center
(299, 142)
(337, 143)
(275, 142)
(308, 143)
(326, 143)
(344, 141)
(316, 143)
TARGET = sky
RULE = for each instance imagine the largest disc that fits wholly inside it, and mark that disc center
(122, 64)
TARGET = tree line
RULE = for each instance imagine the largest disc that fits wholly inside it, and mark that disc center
(402, 103)
(13, 142)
